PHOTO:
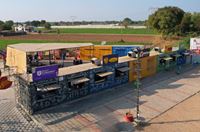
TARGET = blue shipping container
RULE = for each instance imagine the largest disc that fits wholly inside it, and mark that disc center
(122, 50)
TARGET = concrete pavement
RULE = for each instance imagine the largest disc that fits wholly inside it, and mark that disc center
(104, 111)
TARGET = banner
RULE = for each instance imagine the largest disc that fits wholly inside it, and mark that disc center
(110, 59)
(44, 72)
(195, 43)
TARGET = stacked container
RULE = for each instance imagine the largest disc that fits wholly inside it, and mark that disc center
(121, 73)
(80, 79)
(101, 78)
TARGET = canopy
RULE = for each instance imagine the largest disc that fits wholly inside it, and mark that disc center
(16, 54)
(34, 47)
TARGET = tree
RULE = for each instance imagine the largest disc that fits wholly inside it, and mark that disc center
(35, 23)
(1, 25)
(47, 26)
(196, 22)
(186, 23)
(8, 25)
(126, 22)
(42, 23)
(166, 20)
(28, 23)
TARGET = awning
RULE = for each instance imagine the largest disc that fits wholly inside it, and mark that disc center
(123, 69)
(80, 80)
(105, 74)
(33, 47)
(167, 58)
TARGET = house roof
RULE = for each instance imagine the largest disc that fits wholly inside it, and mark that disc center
(34, 47)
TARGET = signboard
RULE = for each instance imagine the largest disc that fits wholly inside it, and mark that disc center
(45, 72)
(110, 59)
(195, 43)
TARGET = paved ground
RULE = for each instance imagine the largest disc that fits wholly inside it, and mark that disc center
(184, 117)
(104, 111)
(11, 119)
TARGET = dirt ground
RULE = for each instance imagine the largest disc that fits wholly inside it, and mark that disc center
(184, 117)
(84, 37)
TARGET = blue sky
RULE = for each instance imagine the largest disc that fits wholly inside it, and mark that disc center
(63, 10)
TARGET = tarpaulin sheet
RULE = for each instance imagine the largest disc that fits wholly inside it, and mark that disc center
(16, 58)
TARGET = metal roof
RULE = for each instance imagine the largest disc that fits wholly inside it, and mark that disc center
(34, 47)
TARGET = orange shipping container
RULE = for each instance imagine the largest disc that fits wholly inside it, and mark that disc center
(86, 53)
(100, 51)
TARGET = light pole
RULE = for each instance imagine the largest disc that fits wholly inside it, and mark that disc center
(137, 51)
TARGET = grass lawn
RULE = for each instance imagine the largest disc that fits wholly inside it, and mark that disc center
(4, 43)
(103, 31)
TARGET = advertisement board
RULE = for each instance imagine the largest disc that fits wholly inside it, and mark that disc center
(110, 59)
(44, 72)
(195, 43)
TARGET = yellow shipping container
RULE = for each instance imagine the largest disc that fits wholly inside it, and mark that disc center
(100, 51)
(132, 72)
(148, 67)
(86, 53)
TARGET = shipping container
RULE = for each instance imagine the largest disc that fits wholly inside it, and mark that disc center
(121, 73)
(132, 71)
(86, 53)
(100, 51)
(102, 78)
(77, 85)
(123, 50)
(148, 66)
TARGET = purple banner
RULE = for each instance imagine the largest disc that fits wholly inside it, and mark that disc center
(45, 72)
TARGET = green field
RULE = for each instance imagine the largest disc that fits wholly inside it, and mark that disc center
(4, 43)
(143, 31)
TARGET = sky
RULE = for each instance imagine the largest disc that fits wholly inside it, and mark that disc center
(88, 10)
